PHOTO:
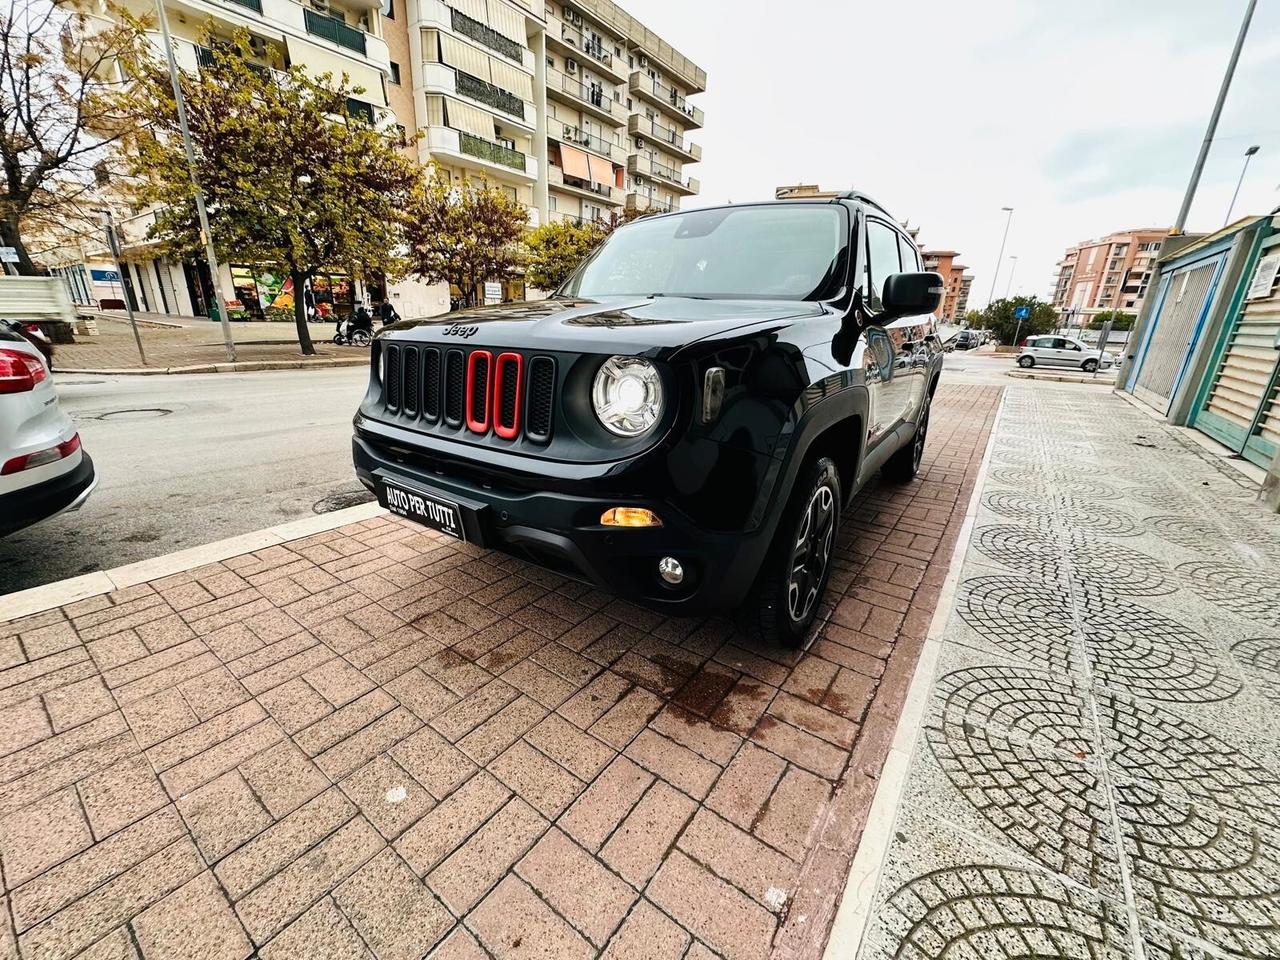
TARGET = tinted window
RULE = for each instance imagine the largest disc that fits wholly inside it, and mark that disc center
(910, 258)
(882, 258)
(784, 251)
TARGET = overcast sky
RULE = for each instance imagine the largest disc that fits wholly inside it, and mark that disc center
(1084, 116)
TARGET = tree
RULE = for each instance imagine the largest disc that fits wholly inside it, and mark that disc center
(290, 177)
(973, 319)
(998, 317)
(63, 107)
(1119, 320)
(556, 249)
(465, 234)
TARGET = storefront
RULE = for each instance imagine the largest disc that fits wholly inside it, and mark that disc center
(267, 292)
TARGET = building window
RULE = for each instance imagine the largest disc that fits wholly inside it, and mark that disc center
(395, 73)
(389, 9)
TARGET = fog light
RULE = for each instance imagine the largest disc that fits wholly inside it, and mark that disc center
(670, 570)
(629, 517)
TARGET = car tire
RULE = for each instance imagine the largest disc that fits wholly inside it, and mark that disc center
(785, 598)
(1026, 362)
(903, 466)
(1089, 365)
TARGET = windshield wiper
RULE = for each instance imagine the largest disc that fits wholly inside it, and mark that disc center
(681, 296)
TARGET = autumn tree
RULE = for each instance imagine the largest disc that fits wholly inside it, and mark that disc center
(64, 106)
(556, 249)
(464, 234)
(290, 176)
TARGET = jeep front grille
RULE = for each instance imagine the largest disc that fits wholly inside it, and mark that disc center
(501, 394)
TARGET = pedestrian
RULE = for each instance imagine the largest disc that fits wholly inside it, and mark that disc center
(385, 312)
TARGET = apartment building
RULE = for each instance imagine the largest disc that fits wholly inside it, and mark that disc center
(576, 109)
(1106, 274)
(956, 290)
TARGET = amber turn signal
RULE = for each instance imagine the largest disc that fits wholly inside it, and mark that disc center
(629, 517)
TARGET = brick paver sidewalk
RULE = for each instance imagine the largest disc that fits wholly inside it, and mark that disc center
(197, 342)
(376, 742)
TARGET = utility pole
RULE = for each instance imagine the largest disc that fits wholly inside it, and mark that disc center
(113, 244)
(205, 234)
(1000, 256)
(1213, 121)
(1248, 155)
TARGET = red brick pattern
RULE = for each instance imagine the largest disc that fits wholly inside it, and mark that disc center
(376, 743)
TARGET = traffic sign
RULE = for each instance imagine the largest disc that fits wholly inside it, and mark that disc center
(8, 254)
(1021, 313)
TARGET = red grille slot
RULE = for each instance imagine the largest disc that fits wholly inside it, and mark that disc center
(479, 373)
(508, 378)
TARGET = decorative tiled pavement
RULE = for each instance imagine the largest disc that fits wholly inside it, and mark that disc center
(377, 743)
(1099, 771)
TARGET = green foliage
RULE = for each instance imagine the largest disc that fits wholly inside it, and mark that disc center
(557, 248)
(973, 319)
(464, 234)
(289, 177)
(998, 317)
(1119, 320)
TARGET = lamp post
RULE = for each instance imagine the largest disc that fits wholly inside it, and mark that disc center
(1009, 287)
(1000, 256)
(1248, 155)
(205, 234)
(1213, 121)
(113, 244)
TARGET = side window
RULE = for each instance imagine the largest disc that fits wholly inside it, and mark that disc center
(1042, 343)
(910, 258)
(1057, 343)
(882, 258)
(1071, 345)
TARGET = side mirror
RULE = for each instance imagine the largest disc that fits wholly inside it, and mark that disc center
(907, 294)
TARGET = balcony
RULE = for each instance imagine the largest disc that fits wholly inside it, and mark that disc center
(486, 35)
(571, 40)
(645, 204)
(668, 138)
(665, 99)
(639, 166)
(597, 192)
(442, 78)
(334, 30)
(592, 98)
(254, 5)
(580, 138)
(468, 149)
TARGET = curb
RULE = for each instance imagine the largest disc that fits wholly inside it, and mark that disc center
(1061, 378)
(61, 592)
(853, 914)
(240, 366)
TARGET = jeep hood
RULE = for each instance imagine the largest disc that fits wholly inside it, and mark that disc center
(632, 325)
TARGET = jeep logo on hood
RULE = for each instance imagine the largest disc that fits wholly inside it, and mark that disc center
(460, 330)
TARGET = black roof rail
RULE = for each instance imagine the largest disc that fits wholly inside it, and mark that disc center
(862, 198)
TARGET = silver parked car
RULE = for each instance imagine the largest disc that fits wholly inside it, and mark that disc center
(1055, 351)
(43, 469)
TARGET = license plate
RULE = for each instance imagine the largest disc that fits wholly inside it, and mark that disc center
(424, 508)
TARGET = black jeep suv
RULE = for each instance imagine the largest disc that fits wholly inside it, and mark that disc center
(683, 421)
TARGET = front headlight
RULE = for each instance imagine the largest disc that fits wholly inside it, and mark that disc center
(627, 396)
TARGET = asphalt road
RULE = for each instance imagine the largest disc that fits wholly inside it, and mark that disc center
(186, 460)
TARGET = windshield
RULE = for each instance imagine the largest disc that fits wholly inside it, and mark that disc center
(783, 252)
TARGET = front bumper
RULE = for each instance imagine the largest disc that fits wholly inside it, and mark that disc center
(562, 531)
(30, 505)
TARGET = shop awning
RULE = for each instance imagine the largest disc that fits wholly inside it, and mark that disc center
(574, 162)
(320, 60)
(601, 169)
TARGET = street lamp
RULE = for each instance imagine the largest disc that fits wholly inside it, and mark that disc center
(1248, 155)
(1009, 287)
(1000, 256)
(205, 234)
(1194, 182)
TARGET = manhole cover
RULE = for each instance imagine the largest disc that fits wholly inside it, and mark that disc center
(141, 413)
(340, 501)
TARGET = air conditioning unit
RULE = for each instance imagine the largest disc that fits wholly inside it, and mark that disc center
(574, 17)
(644, 61)
(571, 65)
(639, 143)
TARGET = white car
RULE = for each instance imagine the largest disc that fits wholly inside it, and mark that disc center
(43, 469)
(1054, 351)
